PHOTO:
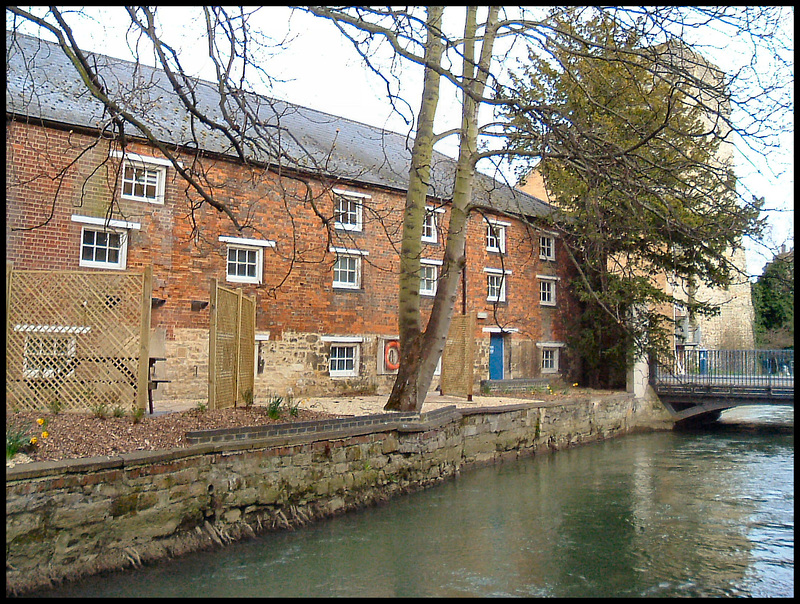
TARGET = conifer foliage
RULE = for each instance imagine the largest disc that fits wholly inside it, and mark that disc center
(635, 162)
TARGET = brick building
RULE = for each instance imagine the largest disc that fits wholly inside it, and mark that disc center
(326, 299)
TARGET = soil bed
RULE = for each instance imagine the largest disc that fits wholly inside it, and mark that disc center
(75, 435)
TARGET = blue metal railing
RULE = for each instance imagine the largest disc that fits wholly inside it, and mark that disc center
(730, 367)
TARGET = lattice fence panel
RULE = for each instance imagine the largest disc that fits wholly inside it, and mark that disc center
(231, 347)
(247, 349)
(458, 358)
(73, 340)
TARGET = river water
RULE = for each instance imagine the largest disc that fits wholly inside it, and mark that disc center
(702, 513)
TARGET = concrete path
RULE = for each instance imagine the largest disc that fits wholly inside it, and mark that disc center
(361, 405)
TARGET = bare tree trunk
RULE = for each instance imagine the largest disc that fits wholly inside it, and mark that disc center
(407, 395)
(420, 351)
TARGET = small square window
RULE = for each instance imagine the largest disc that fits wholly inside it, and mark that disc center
(102, 248)
(347, 213)
(428, 276)
(547, 247)
(347, 272)
(143, 182)
(496, 287)
(547, 292)
(496, 238)
(344, 360)
(549, 360)
(244, 264)
(429, 232)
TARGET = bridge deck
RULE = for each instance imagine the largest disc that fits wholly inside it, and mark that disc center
(704, 382)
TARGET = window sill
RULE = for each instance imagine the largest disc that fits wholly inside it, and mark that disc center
(101, 266)
(157, 201)
(342, 289)
(347, 227)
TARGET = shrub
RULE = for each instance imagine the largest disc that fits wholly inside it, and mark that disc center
(17, 438)
(137, 415)
(274, 406)
(99, 410)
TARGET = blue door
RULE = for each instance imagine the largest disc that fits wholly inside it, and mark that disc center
(496, 356)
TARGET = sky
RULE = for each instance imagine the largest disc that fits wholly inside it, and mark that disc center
(321, 71)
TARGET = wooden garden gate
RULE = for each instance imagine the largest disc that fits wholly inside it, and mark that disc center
(231, 347)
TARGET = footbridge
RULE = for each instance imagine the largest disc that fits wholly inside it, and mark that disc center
(701, 384)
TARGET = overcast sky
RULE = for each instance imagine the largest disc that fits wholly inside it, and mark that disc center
(322, 72)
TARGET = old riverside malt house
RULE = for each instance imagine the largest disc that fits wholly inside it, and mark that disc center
(326, 308)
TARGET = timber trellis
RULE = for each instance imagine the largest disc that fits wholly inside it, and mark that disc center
(231, 347)
(76, 340)
(458, 357)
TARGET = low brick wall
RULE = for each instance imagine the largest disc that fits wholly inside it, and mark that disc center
(73, 518)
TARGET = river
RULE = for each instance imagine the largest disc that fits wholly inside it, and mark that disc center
(703, 513)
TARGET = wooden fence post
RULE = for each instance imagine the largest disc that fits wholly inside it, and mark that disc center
(9, 273)
(212, 345)
(144, 340)
(238, 346)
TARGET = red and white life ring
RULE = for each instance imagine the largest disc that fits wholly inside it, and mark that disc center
(391, 355)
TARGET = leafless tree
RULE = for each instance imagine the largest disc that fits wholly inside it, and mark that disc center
(467, 48)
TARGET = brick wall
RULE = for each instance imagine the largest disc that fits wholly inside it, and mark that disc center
(296, 300)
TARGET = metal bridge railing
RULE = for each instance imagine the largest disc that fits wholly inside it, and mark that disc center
(728, 367)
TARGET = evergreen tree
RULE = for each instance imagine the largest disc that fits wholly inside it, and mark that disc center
(773, 302)
(633, 164)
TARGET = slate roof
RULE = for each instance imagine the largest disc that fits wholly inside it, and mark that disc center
(42, 83)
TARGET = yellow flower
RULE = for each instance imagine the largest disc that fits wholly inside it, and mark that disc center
(40, 421)
(575, 384)
(45, 434)
(34, 440)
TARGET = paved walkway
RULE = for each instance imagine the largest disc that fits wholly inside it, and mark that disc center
(361, 405)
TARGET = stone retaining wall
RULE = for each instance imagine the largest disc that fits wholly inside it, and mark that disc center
(72, 518)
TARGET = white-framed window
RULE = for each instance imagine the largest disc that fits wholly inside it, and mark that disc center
(347, 272)
(344, 357)
(344, 360)
(550, 356)
(104, 242)
(549, 360)
(48, 356)
(347, 268)
(103, 248)
(348, 210)
(244, 259)
(428, 276)
(547, 290)
(547, 247)
(143, 177)
(496, 284)
(430, 230)
(496, 236)
(244, 264)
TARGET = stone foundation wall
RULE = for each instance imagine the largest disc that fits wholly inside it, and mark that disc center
(297, 364)
(78, 517)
